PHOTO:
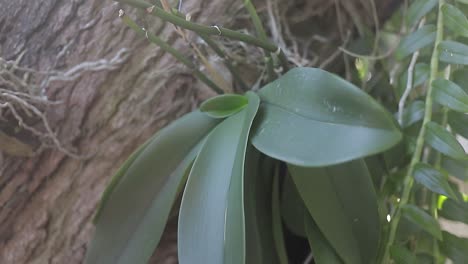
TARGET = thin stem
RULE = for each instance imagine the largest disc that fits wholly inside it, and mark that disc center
(198, 28)
(437, 165)
(409, 87)
(408, 181)
(262, 35)
(226, 59)
(169, 49)
(409, 82)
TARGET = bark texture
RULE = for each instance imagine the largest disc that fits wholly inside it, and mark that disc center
(47, 201)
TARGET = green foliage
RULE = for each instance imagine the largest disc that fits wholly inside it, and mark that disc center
(422, 219)
(309, 154)
(224, 105)
(433, 179)
(306, 100)
(415, 41)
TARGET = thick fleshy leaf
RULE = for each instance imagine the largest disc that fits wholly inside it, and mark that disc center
(278, 234)
(401, 255)
(260, 247)
(455, 20)
(235, 249)
(308, 116)
(418, 9)
(453, 52)
(292, 208)
(455, 211)
(118, 176)
(454, 247)
(459, 123)
(204, 236)
(451, 95)
(422, 219)
(417, 40)
(224, 105)
(441, 140)
(135, 213)
(322, 251)
(433, 179)
(456, 168)
(342, 201)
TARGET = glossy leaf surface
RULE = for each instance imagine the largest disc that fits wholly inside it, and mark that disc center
(455, 20)
(343, 204)
(441, 140)
(322, 251)
(451, 95)
(422, 219)
(308, 116)
(417, 40)
(418, 9)
(293, 209)
(453, 52)
(224, 105)
(260, 247)
(278, 234)
(433, 179)
(132, 221)
(204, 236)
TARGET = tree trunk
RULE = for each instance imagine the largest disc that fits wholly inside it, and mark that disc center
(47, 201)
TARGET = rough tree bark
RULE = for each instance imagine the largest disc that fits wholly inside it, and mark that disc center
(46, 201)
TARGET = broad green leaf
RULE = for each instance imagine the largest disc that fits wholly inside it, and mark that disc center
(455, 211)
(463, 1)
(459, 123)
(292, 208)
(308, 116)
(434, 180)
(413, 113)
(235, 248)
(204, 236)
(441, 140)
(415, 41)
(342, 201)
(224, 105)
(453, 52)
(418, 9)
(422, 219)
(278, 234)
(456, 248)
(451, 95)
(322, 251)
(455, 20)
(456, 168)
(118, 176)
(260, 247)
(133, 218)
(401, 255)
